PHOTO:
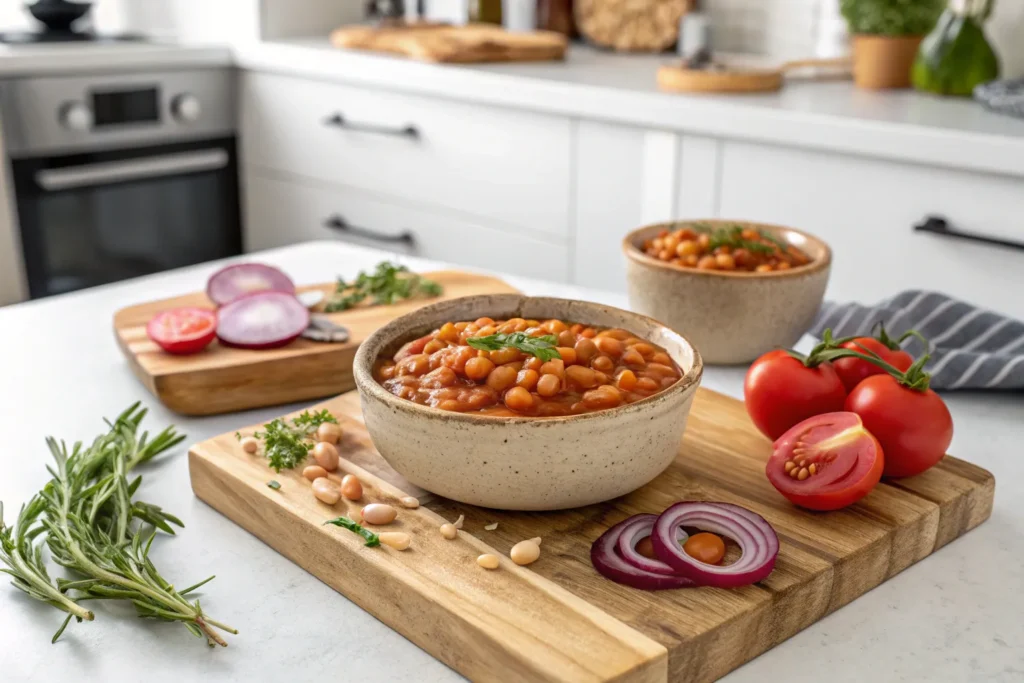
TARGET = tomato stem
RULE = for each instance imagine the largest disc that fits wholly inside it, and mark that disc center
(830, 349)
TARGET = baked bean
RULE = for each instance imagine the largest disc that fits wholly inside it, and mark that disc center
(725, 261)
(325, 491)
(708, 262)
(378, 513)
(351, 487)
(329, 432)
(595, 369)
(609, 346)
(250, 444)
(553, 367)
(314, 472)
(478, 368)
(549, 385)
(585, 350)
(580, 376)
(527, 379)
(505, 355)
(501, 378)
(518, 399)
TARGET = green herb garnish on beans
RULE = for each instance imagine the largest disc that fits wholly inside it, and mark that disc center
(543, 347)
(288, 442)
(387, 284)
(372, 539)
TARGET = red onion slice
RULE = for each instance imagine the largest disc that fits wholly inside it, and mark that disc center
(263, 320)
(758, 543)
(635, 529)
(236, 281)
(611, 565)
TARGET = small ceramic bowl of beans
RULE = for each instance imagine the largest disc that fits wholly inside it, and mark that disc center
(523, 403)
(736, 289)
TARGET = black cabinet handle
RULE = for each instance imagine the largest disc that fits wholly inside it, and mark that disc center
(339, 223)
(338, 120)
(938, 225)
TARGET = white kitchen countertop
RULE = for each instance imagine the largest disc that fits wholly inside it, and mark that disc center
(900, 125)
(953, 618)
(51, 59)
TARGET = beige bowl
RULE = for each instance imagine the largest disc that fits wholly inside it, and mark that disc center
(523, 463)
(732, 317)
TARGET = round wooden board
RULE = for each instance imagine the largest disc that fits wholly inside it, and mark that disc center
(681, 79)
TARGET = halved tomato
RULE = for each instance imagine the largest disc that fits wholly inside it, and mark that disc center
(826, 462)
(183, 330)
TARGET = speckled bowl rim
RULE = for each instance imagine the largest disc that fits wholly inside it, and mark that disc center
(362, 368)
(631, 248)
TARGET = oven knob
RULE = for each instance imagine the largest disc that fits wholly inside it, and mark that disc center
(186, 108)
(76, 116)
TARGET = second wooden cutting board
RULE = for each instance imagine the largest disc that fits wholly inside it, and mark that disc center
(224, 380)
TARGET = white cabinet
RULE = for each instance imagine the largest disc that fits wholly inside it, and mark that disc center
(508, 167)
(867, 209)
(281, 211)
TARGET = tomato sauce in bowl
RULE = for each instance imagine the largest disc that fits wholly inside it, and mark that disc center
(520, 367)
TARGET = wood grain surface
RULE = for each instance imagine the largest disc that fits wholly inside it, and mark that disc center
(558, 620)
(454, 44)
(222, 380)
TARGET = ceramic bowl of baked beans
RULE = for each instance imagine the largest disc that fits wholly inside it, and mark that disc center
(736, 289)
(526, 403)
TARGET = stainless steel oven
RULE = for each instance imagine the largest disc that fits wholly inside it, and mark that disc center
(121, 175)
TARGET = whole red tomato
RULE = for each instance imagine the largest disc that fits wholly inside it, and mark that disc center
(914, 427)
(852, 371)
(780, 391)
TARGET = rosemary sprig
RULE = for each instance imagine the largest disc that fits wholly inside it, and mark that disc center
(543, 347)
(286, 443)
(387, 284)
(372, 539)
(94, 528)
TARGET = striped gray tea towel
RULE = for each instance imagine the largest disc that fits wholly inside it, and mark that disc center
(972, 348)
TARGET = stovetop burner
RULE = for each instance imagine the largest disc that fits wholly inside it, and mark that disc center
(50, 36)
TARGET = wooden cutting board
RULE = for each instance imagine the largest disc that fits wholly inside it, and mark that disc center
(455, 44)
(221, 379)
(737, 78)
(558, 620)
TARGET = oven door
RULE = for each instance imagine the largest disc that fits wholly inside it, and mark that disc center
(89, 219)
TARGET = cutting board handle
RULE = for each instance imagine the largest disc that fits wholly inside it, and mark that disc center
(831, 63)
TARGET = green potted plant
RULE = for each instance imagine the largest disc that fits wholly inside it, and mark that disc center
(886, 35)
(956, 56)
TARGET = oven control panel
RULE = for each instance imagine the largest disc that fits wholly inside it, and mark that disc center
(54, 115)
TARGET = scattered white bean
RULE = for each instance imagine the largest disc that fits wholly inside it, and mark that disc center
(325, 491)
(328, 432)
(526, 552)
(378, 513)
(488, 561)
(351, 487)
(449, 531)
(410, 502)
(395, 539)
(491, 527)
(250, 444)
(326, 455)
(314, 472)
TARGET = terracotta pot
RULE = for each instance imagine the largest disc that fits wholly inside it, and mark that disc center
(881, 62)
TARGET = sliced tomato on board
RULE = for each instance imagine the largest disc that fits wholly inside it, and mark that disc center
(183, 330)
(826, 462)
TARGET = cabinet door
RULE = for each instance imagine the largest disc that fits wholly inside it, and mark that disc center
(625, 178)
(867, 209)
(281, 211)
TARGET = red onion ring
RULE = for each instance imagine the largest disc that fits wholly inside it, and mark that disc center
(758, 543)
(634, 530)
(610, 564)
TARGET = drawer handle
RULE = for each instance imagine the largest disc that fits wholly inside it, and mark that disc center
(940, 226)
(338, 223)
(338, 120)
